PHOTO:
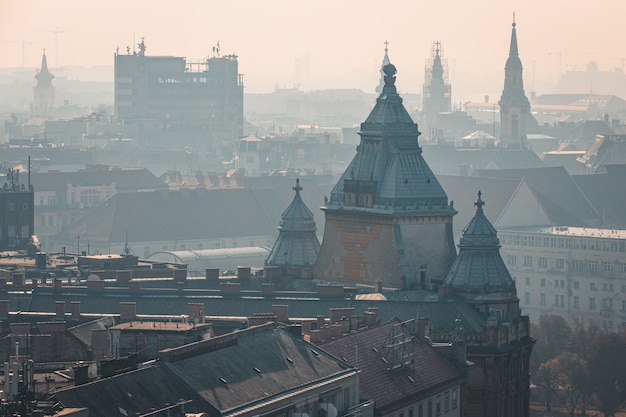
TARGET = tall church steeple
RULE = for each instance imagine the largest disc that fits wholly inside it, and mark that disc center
(381, 83)
(437, 97)
(515, 117)
(44, 90)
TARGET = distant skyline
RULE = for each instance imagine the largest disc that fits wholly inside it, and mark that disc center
(326, 44)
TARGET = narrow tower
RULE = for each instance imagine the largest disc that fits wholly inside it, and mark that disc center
(436, 89)
(480, 278)
(388, 218)
(297, 245)
(515, 117)
(381, 83)
(44, 90)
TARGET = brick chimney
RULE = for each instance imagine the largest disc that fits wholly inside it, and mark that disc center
(281, 311)
(4, 309)
(180, 275)
(75, 308)
(128, 311)
(212, 274)
(123, 277)
(60, 310)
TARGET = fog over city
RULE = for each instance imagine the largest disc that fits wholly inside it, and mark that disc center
(343, 41)
(338, 208)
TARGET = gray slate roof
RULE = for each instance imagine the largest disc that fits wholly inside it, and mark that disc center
(390, 156)
(479, 267)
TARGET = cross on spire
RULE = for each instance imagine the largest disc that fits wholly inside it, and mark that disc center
(479, 203)
(386, 46)
(297, 188)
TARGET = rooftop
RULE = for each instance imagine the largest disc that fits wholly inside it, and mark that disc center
(573, 231)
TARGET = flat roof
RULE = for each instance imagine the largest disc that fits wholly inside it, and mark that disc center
(572, 231)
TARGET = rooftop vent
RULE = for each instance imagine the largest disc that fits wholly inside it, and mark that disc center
(223, 381)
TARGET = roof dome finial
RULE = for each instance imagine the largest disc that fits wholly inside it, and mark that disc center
(479, 203)
(297, 188)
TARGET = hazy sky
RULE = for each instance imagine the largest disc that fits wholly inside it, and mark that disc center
(343, 39)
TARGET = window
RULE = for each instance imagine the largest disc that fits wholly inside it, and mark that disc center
(560, 263)
(623, 306)
(543, 262)
(577, 265)
(543, 300)
(607, 304)
(511, 259)
(562, 301)
(52, 200)
(527, 280)
(608, 266)
(410, 412)
(430, 408)
(50, 220)
(593, 265)
(592, 303)
(592, 286)
(454, 399)
(556, 300)
(576, 302)
(43, 220)
(446, 402)
(438, 405)
(543, 282)
(526, 298)
(624, 267)
(528, 260)
(576, 284)
(562, 283)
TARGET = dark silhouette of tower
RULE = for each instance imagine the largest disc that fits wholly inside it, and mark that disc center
(381, 83)
(515, 117)
(388, 218)
(44, 90)
(297, 244)
(501, 358)
(436, 89)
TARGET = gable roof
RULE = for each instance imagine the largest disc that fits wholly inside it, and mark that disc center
(553, 184)
(180, 214)
(392, 388)
(258, 366)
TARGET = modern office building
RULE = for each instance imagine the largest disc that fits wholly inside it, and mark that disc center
(173, 102)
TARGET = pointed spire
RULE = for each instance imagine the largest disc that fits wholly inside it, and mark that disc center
(44, 77)
(381, 83)
(513, 52)
(479, 203)
(297, 188)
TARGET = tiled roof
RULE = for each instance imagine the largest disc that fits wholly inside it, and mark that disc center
(255, 366)
(132, 393)
(390, 388)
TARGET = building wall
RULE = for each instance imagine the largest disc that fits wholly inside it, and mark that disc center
(446, 402)
(581, 277)
(367, 248)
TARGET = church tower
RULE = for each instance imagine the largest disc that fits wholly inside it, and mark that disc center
(297, 245)
(436, 89)
(388, 219)
(381, 83)
(515, 117)
(44, 90)
(499, 381)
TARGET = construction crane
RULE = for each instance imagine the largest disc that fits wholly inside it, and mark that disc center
(56, 32)
(23, 42)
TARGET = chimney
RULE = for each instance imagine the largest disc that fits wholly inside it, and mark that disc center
(18, 279)
(60, 310)
(43, 276)
(267, 288)
(243, 272)
(123, 277)
(422, 327)
(379, 286)
(321, 320)
(4, 309)
(75, 308)
(128, 311)
(195, 311)
(281, 311)
(180, 275)
(212, 274)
